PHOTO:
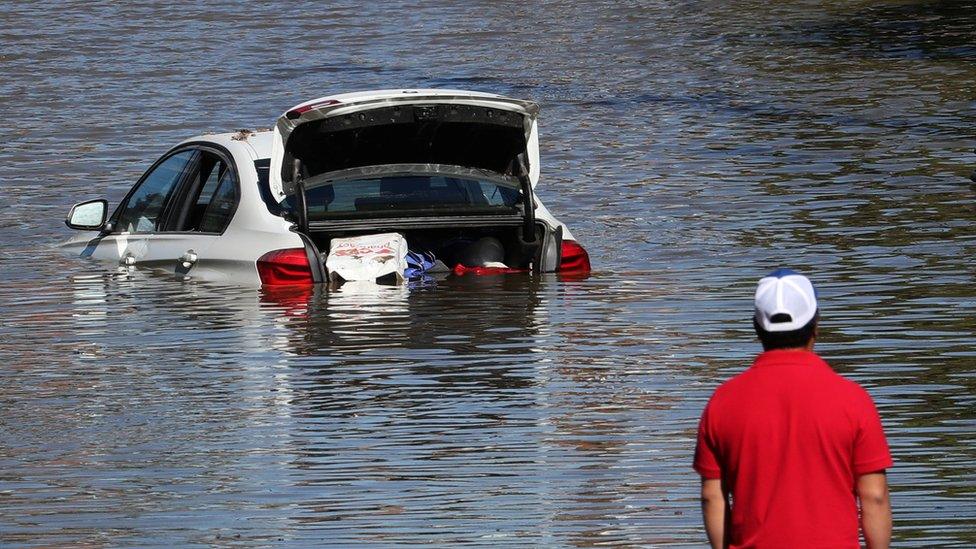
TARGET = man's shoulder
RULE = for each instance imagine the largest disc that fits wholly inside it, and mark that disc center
(805, 369)
(853, 389)
(730, 387)
(845, 384)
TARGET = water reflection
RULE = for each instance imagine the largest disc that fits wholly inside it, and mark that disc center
(466, 399)
(938, 30)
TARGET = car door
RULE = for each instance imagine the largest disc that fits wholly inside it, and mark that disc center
(198, 215)
(140, 214)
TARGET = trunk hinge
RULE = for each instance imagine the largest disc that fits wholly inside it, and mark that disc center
(530, 241)
(314, 259)
(301, 205)
(528, 200)
(311, 250)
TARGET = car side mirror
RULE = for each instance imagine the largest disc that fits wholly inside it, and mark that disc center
(88, 216)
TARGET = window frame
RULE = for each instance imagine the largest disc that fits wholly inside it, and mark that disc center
(227, 178)
(176, 205)
(180, 206)
(164, 211)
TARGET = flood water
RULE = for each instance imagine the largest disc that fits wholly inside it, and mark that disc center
(691, 147)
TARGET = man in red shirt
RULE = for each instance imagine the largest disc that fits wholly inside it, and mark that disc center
(787, 448)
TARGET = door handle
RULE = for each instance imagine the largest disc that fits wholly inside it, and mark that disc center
(188, 259)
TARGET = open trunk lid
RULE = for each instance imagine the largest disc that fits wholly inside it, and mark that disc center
(461, 129)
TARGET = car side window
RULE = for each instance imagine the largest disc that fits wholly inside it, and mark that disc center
(141, 213)
(221, 206)
(212, 198)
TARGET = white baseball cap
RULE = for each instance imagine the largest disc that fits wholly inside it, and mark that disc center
(785, 301)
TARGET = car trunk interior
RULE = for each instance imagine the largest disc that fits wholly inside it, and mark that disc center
(452, 245)
(467, 136)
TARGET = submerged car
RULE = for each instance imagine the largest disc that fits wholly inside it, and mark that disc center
(445, 169)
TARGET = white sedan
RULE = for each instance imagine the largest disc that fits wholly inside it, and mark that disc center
(448, 170)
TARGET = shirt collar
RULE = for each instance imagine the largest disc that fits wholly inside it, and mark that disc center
(791, 356)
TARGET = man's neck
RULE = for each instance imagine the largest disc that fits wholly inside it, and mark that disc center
(808, 348)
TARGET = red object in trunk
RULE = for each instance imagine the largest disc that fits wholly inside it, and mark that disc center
(463, 270)
(285, 267)
(575, 259)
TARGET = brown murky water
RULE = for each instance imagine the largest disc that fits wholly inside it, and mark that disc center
(692, 147)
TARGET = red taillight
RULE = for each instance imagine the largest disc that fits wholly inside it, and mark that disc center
(283, 267)
(575, 259)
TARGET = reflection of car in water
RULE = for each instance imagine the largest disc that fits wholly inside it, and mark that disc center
(365, 317)
(454, 172)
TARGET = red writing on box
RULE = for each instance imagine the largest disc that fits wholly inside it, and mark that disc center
(362, 250)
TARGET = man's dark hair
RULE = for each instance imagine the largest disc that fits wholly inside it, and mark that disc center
(787, 340)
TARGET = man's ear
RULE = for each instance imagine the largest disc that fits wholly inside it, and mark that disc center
(814, 335)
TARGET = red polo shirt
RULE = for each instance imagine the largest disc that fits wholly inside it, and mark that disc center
(790, 437)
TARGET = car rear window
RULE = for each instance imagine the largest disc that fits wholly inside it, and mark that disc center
(408, 194)
(395, 195)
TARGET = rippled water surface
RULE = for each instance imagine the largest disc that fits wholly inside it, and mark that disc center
(691, 146)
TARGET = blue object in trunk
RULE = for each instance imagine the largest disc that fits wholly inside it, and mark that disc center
(418, 263)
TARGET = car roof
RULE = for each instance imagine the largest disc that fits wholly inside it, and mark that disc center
(258, 141)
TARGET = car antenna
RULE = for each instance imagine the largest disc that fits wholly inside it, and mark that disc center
(301, 204)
